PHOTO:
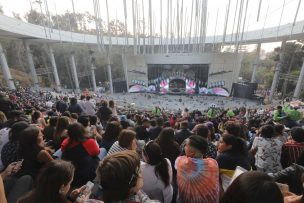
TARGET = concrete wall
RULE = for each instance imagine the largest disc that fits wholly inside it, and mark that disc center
(218, 62)
(137, 69)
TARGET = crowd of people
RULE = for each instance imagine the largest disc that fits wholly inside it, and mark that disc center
(79, 148)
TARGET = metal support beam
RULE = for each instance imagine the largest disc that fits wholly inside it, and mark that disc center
(256, 62)
(31, 64)
(109, 72)
(277, 71)
(125, 65)
(5, 70)
(74, 72)
(299, 82)
(53, 62)
(93, 72)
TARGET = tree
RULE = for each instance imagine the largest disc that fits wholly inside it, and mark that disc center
(36, 18)
(117, 28)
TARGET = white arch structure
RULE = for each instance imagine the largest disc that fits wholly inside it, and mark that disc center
(14, 28)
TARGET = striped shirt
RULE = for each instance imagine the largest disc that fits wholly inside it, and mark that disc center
(291, 151)
(116, 148)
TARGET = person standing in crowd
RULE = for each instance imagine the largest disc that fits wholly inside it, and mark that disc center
(113, 108)
(82, 101)
(156, 111)
(293, 148)
(267, 151)
(183, 133)
(197, 178)
(294, 116)
(154, 132)
(104, 113)
(74, 107)
(185, 113)
(62, 105)
(212, 113)
(142, 130)
(279, 115)
(88, 107)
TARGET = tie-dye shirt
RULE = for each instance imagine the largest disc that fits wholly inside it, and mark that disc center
(197, 180)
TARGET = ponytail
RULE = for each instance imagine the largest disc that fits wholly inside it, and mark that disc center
(153, 151)
(162, 170)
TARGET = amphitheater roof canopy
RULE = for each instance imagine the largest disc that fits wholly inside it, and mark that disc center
(13, 28)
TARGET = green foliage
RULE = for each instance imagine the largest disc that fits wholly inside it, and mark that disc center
(265, 69)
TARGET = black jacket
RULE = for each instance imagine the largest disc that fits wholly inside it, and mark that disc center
(292, 177)
(154, 132)
(181, 135)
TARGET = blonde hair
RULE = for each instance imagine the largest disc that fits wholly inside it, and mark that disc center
(2, 117)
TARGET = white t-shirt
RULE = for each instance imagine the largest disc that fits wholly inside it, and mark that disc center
(89, 108)
(154, 187)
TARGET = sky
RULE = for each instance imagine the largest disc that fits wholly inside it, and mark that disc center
(270, 12)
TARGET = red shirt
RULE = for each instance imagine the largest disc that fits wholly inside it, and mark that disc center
(90, 146)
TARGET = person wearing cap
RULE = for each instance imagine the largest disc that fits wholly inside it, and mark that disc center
(197, 178)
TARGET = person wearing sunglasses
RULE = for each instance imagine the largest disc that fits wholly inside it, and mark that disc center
(157, 173)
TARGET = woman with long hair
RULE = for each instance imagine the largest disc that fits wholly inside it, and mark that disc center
(53, 183)
(60, 132)
(157, 173)
(113, 108)
(82, 152)
(169, 147)
(33, 152)
(110, 135)
(9, 152)
(232, 153)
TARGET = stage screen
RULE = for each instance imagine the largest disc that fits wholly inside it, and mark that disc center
(196, 72)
